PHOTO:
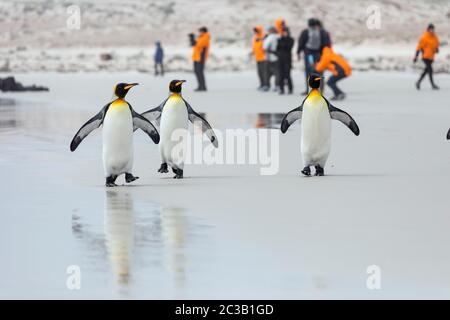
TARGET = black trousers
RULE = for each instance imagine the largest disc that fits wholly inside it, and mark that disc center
(428, 70)
(159, 68)
(199, 70)
(285, 75)
(261, 67)
(332, 82)
(273, 70)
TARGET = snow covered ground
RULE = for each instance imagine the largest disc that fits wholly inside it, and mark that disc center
(226, 231)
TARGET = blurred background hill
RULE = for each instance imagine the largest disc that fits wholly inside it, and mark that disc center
(119, 35)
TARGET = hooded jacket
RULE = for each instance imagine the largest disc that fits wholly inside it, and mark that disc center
(200, 49)
(428, 45)
(159, 53)
(279, 25)
(331, 60)
(258, 41)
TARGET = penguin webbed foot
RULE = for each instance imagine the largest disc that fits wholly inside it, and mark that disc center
(178, 173)
(319, 171)
(163, 168)
(130, 178)
(111, 181)
(306, 171)
(110, 184)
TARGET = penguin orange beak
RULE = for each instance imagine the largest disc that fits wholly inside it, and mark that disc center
(318, 78)
(179, 83)
(131, 85)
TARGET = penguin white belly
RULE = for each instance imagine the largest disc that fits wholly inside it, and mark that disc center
(118, 139)
(316, 132)
(173, 130)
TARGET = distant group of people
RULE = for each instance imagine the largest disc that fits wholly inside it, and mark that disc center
(272, 50)
(273, 55)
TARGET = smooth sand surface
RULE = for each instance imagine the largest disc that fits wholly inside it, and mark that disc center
(226, 231)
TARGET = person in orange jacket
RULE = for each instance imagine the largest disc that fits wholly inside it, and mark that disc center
(428, 45)
(260, 57)
(338, 66)
(200, 52)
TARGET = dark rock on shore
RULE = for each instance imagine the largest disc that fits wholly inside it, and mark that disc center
(10, 84)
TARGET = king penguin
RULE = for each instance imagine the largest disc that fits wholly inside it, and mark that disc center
(119, 121)
(173, 115)
(316, 112)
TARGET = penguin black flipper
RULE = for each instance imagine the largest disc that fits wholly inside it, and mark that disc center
(448, 134)
(92, 124)
(291, 117)
(344, 117)
(154, 115)
(194, 117)
(139, 122)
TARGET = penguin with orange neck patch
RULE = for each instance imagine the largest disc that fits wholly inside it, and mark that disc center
(316, 113)
(119, 121)
(172, 115)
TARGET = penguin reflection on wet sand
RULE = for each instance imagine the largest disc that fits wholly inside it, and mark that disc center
(171, 115)
(316, 112)
(119, 228)
(119, 121)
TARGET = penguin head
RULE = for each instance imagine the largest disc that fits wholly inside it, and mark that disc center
(121, 89)
(175, 85)
(314, 80)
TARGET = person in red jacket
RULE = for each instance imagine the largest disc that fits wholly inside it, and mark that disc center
(428, 45)
(338, 66)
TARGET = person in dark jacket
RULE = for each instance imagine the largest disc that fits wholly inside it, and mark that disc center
(312, 40)
(159, 58)
(284, 52)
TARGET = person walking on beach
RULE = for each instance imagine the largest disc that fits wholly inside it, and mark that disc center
(428, 45)
(338, 66)
(284, 49)
(200, 52)
(311, 42)
(260, 57)
(270, 47)
(159, 58)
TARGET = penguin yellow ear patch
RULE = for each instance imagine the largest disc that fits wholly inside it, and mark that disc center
(318, 78)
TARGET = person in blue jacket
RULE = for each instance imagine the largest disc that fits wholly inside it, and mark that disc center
(159, 59)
